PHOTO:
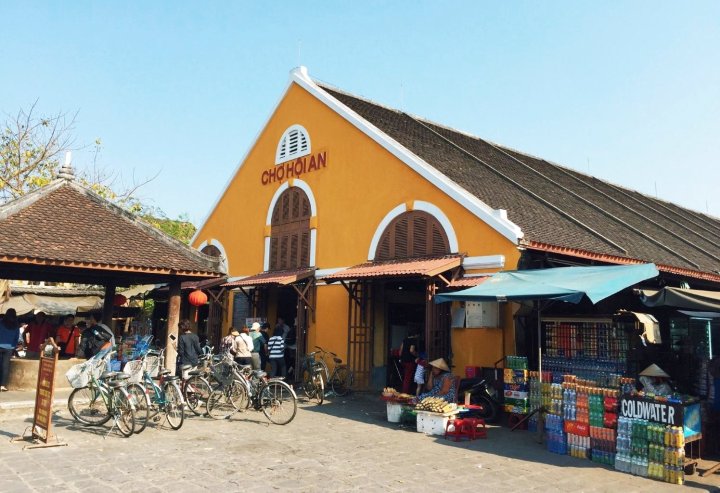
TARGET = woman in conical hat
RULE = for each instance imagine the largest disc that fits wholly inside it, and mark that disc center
(655, 381)
(440, 382)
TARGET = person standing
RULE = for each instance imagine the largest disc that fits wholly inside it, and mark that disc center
(189, 349)
(408, 355)
(9, 341)
(264, 328)
(242, 346)
(36, 333)
(276, 349)
(258, 343)
(98, 338)
(282, 326)
(65, 336)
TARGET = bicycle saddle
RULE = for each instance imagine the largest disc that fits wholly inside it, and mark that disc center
(194, 373)
(171, 378)
(258, 373)
(114, 375)
(114, 384)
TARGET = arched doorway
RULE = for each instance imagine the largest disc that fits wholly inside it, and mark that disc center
(290, 231)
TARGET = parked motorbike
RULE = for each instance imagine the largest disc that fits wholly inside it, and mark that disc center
(482, 395)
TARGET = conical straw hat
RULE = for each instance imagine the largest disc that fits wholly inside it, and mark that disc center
(440, 363)
(654, 371)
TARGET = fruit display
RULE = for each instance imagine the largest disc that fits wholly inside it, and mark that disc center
(435, 405)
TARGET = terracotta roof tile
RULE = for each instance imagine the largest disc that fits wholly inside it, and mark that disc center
(66, 223)
(397, 268)
(277, 277)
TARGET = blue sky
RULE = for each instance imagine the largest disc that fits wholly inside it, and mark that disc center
(626, 91)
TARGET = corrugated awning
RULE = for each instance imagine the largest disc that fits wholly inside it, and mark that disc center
(424, 267)
(276, 277)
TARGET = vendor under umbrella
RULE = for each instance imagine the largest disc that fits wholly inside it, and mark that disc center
(655, 381)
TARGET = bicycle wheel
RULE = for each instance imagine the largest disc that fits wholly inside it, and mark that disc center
(309, 388)
(88, 407)
(278, 402)
(319, 385)
(342, 380)
(238, 395)
(174, 406)
(123, 413)
(141, 400)
(196, 392)
(219, 404)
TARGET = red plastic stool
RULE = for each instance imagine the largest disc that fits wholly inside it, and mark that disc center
(470, 428)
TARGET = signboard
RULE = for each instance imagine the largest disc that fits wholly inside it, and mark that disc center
(481, 314)
(668, 413)
(42, 418)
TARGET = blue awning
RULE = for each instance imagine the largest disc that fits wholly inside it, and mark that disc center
(561, 283)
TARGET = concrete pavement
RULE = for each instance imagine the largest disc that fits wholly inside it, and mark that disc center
(343, 445)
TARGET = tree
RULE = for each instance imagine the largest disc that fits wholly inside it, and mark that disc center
(30, 152)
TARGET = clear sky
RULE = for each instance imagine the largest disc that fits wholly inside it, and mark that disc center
(626, 91)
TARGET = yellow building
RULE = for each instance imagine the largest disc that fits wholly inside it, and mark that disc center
(346, 217)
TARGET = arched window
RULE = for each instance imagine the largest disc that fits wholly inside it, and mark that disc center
(212, 251)
(412, 234)
(295, 142)
(290, 231)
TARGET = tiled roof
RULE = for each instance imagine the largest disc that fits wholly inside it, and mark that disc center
(65, 224)
(467, 282)
(277, 277)
(552, 204)
(430, 266)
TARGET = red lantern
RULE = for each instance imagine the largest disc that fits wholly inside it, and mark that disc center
(197, 298)
(119, 300)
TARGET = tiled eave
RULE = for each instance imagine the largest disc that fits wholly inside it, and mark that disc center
(602, 257)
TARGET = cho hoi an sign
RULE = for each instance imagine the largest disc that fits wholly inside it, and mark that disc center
(668, 413)
(295, 168)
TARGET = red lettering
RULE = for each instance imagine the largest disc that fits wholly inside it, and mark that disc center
(289, 170)
(280, 173)
(322, 160)
(299, 167)
(265, 178)
(313, 164)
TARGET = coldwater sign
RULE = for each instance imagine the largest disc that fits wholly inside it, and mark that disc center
(668, 413)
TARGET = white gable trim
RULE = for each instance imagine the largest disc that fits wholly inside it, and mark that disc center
(495, 218)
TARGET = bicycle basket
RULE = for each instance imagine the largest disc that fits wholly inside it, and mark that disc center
(135, 370)
(79, 375)
(151, 364)
(223, 372)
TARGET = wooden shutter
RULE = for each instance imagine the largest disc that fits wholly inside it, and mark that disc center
(413, 234)
(290, 231)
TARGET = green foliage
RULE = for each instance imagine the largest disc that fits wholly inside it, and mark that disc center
(180, 228)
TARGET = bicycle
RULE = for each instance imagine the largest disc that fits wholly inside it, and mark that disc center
(164, 396)
(199, 384)
(342, 377)
(313, 378)
(103, 397)
(242, 387)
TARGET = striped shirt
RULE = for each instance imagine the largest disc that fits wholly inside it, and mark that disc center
(276, 346)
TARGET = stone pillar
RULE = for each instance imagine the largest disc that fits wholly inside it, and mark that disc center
(172, 327)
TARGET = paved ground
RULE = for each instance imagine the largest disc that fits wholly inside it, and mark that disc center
(344, 445)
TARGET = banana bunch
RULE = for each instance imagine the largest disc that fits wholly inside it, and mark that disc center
(435, 405)
(389, 390)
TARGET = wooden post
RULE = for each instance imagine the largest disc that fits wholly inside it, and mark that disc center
(172, 327)
(108, 305)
